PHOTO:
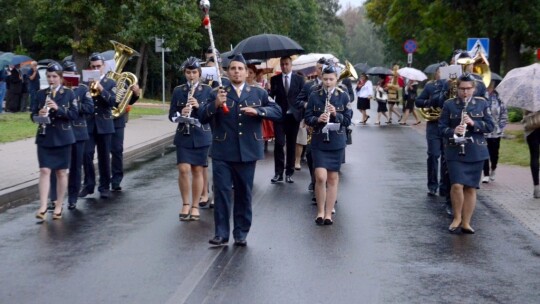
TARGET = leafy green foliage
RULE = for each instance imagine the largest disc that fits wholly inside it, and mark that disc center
(515, 114)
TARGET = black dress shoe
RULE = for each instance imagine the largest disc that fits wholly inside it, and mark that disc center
(289, 179)
(84, 192)
(105, 194)
(453, 229)
(467, 230)
(432, 193)
(116, 188)
(319, 221)
(328, 222)
(72, 206)
(311, 187)
(277, 178)
(218, 241)
(240, 243)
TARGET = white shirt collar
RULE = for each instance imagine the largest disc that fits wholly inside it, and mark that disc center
(241, 87)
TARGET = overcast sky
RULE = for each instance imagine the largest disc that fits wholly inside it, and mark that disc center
(354, 3)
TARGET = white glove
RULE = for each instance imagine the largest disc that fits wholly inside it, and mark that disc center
(175, 117)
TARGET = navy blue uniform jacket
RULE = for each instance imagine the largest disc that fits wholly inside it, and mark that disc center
(316, 106)
(199, 136)
(59, 132)
(238, 137)
(85, 104)
(103, 103)
(479, 111)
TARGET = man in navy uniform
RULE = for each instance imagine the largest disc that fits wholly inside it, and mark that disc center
(433, 96)
(285, 88)
(236, 146)
(85, 105)
(100, 130)
(117, 143)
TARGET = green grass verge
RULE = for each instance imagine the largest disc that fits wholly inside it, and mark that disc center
(17, 126)
(514, 151)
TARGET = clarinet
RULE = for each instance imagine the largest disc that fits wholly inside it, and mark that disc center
(462, 143)
(325, 130)
(43, 126)
(190, 94)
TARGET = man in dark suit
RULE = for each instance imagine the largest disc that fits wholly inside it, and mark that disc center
(236, 147)
(284, 88)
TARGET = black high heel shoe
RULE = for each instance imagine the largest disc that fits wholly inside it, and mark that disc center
(328, 222)
(41, 215)
(319, 221)
(193, 217)
(57, 216)
(184, 216)
(467, 230)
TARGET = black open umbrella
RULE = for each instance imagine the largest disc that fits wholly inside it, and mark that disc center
(379, 71)
(496, 77)
(361, 67)
(267, 46)
(432, 68)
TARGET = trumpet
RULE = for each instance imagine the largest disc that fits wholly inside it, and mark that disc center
(188, 104)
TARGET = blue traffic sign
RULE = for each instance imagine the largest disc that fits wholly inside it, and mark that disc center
(476, 45)
(410, 46)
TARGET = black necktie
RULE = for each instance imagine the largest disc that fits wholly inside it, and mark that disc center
(286, 84)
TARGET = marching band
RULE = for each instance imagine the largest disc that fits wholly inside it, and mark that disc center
(222, 119)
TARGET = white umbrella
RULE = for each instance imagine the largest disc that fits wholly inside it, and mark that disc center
(521, 88)
(412, 74)
(310, 60)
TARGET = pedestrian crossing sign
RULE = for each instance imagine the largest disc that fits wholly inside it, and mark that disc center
(477, 45)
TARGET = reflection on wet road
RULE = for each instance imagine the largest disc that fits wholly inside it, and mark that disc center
(389, 243)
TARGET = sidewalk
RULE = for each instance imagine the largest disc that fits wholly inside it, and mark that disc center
(19, 163)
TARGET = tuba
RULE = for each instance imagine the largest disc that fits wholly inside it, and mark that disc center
(124, 80)
(349, 71)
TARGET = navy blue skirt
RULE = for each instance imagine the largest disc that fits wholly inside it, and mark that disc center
(54, 158)
(465, 173)
(192, 156)
(330, 160)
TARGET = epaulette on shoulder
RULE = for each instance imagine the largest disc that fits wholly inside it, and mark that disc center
(432, 81)
(180, 86)
(204, 85)
(340, 89)
(480, 97)
(318, 89)
(258, 86)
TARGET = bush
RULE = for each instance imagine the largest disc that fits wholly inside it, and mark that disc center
(515, 114)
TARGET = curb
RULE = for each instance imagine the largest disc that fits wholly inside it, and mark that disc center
(28, 191)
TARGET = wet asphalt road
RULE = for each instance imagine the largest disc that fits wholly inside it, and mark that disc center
(389, 242)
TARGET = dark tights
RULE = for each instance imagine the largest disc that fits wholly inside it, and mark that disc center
(493, 147)
(533, 140)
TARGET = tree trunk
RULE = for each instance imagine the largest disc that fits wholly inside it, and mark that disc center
(138, 67)
(512, 46)
(496, 52)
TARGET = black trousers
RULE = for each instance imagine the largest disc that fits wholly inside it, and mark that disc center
(103, 144)
(285, 133)
(533, 140)
(493, 147)
(117, 158)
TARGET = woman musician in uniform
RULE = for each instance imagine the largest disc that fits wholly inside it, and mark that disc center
(325, 106)
(463, 122)
(192, 139)
(54, 137)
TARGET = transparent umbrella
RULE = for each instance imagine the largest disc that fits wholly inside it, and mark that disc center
(521, 88)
